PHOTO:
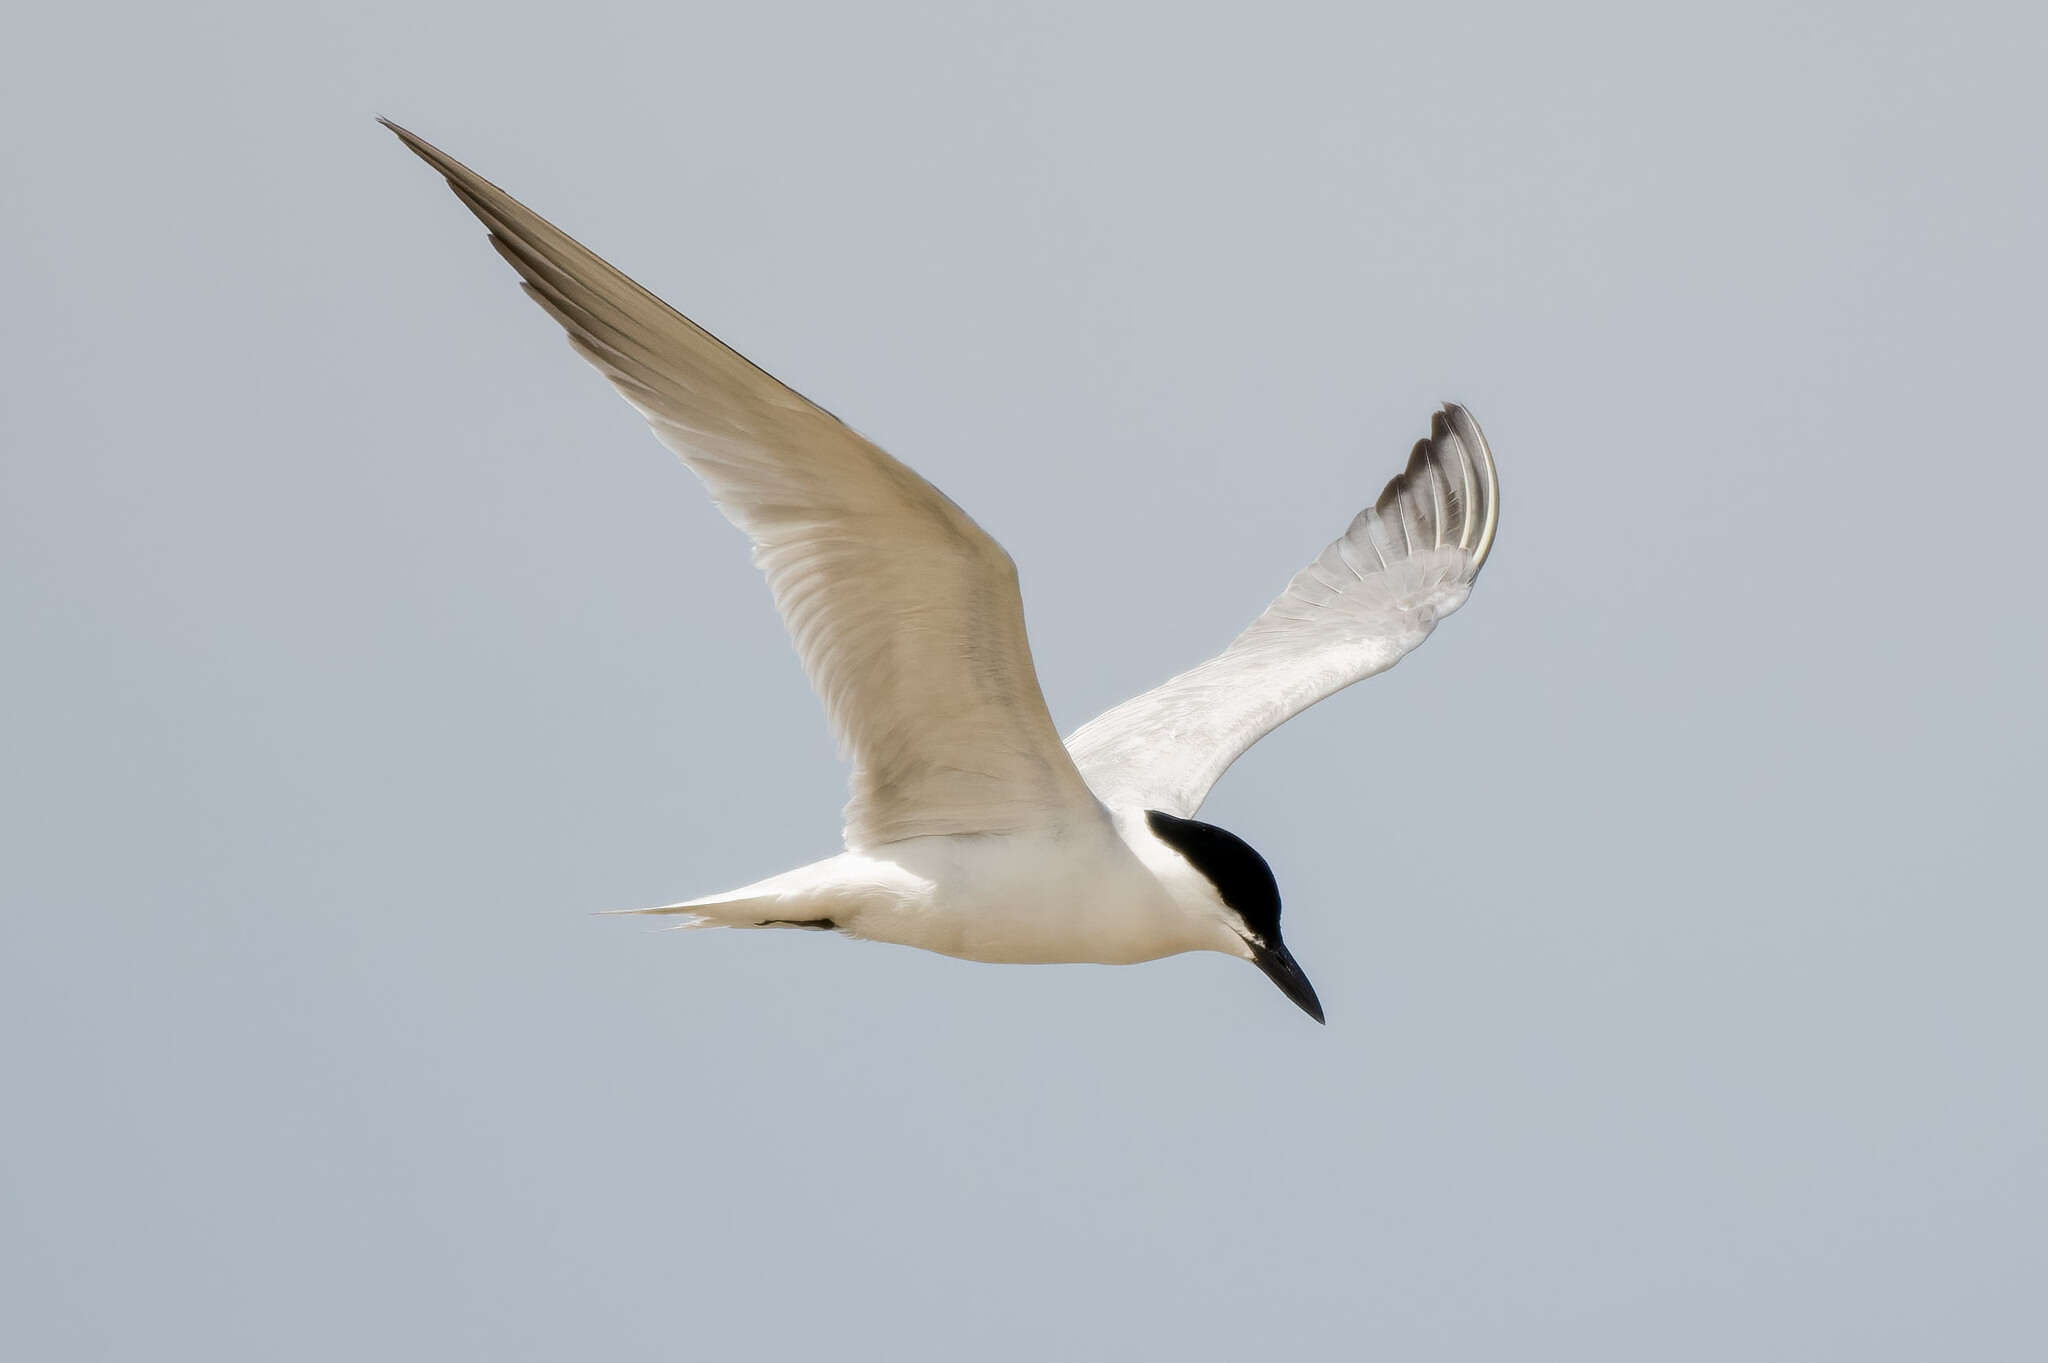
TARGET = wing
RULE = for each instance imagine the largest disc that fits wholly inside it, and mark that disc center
(905, 612)
(1406, 562)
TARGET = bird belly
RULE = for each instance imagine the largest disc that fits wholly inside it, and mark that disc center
(1018, 899)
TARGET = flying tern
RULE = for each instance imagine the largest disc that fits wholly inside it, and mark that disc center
(972, 830)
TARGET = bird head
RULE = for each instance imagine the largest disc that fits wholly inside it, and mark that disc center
(1244, 897)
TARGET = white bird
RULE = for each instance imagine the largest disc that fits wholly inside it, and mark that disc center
(972, 830)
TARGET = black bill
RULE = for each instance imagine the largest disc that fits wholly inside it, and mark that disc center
(1278, 963)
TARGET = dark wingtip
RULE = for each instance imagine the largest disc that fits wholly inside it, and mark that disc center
(428, 152)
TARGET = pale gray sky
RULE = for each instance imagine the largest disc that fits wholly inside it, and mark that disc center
(1676, 907)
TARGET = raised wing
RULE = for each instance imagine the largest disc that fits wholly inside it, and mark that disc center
(905, 612)
(1406, 562)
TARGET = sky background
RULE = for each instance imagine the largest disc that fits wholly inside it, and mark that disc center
(1677, 907)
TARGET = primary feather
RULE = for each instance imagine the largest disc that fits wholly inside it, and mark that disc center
(905, 612)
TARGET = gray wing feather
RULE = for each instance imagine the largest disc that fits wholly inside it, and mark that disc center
(905, 612)
(1366, 601)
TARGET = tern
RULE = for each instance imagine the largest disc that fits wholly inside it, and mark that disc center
(972, 830)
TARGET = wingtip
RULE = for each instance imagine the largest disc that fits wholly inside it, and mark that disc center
(440, 160)
(1467, 429)
(414, 143)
